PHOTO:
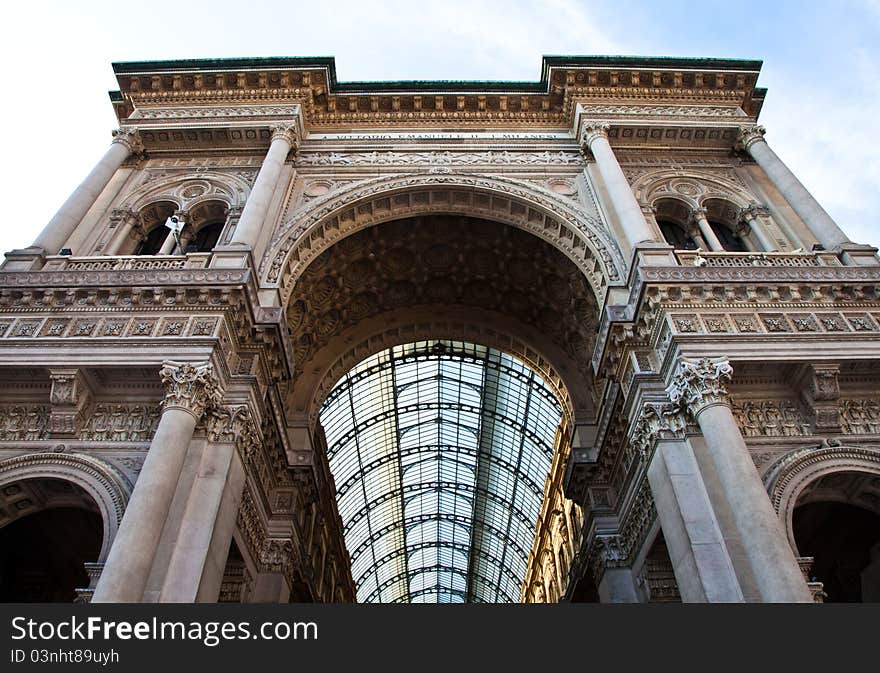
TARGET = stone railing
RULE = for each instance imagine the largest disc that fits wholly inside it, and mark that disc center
(789, 259)
(198, 260)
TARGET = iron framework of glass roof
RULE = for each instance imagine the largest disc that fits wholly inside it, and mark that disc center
(440, 451)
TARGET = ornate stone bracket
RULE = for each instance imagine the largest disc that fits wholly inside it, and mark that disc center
(820, 397)
(71, 399)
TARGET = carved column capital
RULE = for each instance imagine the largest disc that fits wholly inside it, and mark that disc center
(696, 215)
(590, 130)
(120, 216)
(752, 212)
(129, 137)
(276, 555)
(749, 135)
(699, 384)
(286, 132)
(656, 420)
(191, 388)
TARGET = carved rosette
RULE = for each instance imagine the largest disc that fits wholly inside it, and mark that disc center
(700, 383)
(130, 138)
(191, 388)
(749, 135)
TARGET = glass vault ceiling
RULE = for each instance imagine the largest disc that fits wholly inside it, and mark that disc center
(439, 451)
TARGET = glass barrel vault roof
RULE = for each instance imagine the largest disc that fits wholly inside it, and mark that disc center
(440, 451)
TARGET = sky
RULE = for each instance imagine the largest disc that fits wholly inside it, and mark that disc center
(822, 111)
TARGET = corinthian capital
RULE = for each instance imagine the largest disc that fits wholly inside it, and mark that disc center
(752, 212)
(130, 138)
(276, 553)
(700, 383)
(749, 135)
(590, 130)
(189, 387)
(286, 132)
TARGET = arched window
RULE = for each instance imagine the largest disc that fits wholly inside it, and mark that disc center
(729, 241)
(153, 242)
(206, 238)
(676, 236)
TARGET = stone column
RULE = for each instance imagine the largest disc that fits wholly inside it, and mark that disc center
(623, 201)
(271, 585)
(825, 230)
(61, 226)
(188, 390)
(703, 569)
(128, 224)
(700, 387)
(207, 525)
(698, 217)
(749, 216)
(257, 205)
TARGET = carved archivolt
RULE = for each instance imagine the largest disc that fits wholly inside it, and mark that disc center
(189, 189)
(109, 488)
(694, 188)
(788, 478)
(321, 222)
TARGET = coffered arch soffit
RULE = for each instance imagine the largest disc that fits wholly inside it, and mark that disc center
(693, 188)
(518, 291)
(791, 479)
(319, 224)
(561, 373)
(189, 190)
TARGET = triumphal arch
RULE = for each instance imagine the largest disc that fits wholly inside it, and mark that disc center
(580, 339)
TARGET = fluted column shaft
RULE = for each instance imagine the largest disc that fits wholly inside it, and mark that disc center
(623, 201)
(802, 202)
(257, 205)
(188, 390)
(701, 388)
(74, 209)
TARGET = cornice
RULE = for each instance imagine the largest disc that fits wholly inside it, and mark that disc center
(565, 81)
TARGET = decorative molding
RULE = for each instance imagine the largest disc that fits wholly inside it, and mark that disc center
(441, 158)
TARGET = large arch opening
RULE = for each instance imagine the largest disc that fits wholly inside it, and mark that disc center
(440, 450)
(836, 522)
(50, 529)
(495, 326)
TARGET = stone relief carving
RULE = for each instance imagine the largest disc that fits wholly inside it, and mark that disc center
(770, 418)
(121, 423)
(441, 158)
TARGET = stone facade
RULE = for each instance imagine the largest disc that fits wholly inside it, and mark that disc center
(622, 226)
